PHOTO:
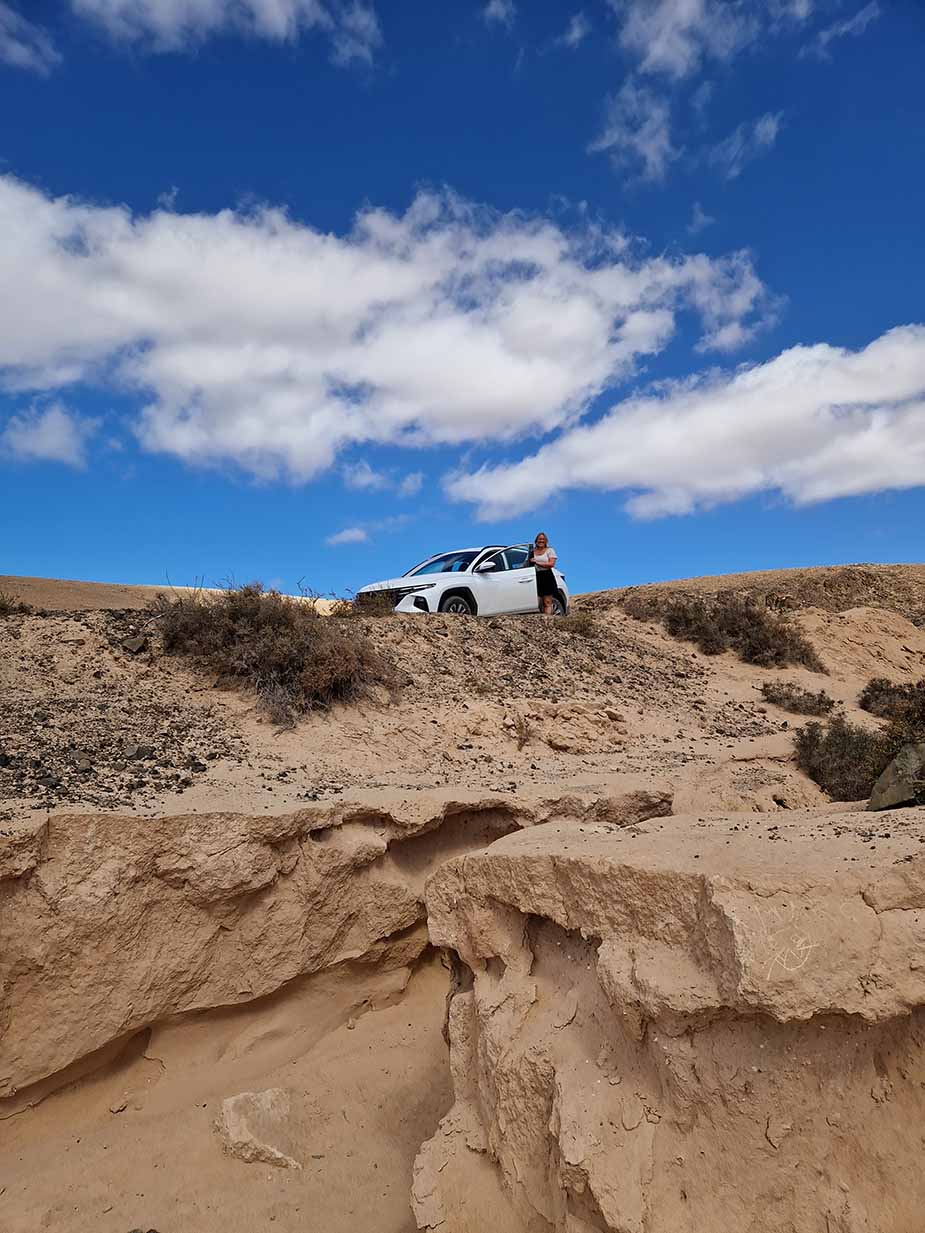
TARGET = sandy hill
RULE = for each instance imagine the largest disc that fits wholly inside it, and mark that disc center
(231, 957)
(899, 588)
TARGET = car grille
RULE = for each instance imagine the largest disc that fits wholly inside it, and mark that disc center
(376, 599)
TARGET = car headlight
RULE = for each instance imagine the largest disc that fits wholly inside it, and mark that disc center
(424, 586)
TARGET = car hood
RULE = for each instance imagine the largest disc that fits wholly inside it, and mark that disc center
(392, 584)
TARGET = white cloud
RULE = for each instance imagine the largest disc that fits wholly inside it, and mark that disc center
(748, 142)
(500, 12)
(357, 34)
(701, 99)
(675, 36)
(814, 423)
(576, 31)
(700, 220)
(791, 11)
(841, 29)
(361, 476)
(411, 485)
(24, 44)
(637, 132)
(349, 535)
(444, 325)
(47, 434)
(174, 25)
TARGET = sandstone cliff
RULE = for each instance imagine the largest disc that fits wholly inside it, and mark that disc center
(688, 1025)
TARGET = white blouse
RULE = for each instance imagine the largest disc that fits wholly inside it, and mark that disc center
(545, 558)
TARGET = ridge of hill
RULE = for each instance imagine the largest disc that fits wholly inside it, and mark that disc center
(900, 588)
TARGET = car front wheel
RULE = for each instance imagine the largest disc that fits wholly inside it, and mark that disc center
(457, 605)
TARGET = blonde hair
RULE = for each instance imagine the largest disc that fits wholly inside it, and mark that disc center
(543, 534)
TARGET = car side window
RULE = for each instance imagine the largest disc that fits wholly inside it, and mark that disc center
(516, 557)
(499, 561)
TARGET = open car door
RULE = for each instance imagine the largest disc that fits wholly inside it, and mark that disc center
(504, 582)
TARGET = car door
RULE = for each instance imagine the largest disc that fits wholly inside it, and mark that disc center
(495, 589)
(522, 577)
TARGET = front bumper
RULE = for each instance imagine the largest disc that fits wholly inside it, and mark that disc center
(415, 604)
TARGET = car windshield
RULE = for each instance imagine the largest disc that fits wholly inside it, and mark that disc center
(449, 563)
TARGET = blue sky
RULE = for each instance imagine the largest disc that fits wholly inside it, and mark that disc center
(308, 289)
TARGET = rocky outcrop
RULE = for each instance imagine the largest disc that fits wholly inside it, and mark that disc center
(903, 781)
(109, 924)
(690, 1026)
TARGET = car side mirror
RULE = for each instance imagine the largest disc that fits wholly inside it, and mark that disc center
(485, 567)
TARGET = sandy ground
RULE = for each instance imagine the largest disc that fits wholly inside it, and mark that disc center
(133, 1145)
(67, 595)
(510, 705)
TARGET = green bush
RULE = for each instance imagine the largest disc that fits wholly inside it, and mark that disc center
(796, 699)
(294, 659)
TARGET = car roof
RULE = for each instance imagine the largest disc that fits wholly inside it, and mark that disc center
(445, 552)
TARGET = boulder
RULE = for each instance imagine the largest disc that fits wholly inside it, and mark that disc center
(257, 1127)
(903, 781)
(683, 1026)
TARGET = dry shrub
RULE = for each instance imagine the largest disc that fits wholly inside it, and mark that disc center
(522, 730)
(847, 760)
(371, 604)
(844, 759)
(581, 622)
(11, 606)
(294, 659)
(729, 622)
(892, 700)
(796, 699)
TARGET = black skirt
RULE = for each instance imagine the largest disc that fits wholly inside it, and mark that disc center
(545, 582)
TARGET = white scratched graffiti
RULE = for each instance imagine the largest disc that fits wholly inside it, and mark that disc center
(779, 937)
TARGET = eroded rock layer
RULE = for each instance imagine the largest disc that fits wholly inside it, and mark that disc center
(109, 924)
(687, 1026)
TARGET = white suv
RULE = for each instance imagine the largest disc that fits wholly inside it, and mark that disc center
(470, 582)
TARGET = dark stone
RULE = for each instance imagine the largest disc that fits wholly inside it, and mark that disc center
(48, 781)
(903, 781)
(5, 759)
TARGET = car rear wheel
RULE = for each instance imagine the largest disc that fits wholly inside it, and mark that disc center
(558, 608)
(456, 605)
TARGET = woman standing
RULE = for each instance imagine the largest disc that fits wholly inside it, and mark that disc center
(544, 558)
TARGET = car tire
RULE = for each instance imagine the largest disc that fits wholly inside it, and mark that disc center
(558, 607)
(456, 605)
